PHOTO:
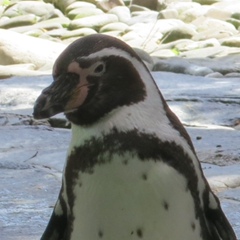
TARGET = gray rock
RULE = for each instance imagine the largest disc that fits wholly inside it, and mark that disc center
(179, 65)
(223, 65)
(233, 74)
(145, 57)
(94, 22)
(214, 75)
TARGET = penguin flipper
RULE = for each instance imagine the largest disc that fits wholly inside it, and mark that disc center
(218, 223)
(57, 225)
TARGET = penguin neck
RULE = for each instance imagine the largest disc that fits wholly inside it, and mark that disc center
(149, 116)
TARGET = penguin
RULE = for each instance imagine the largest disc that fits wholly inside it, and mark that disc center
(131, 171)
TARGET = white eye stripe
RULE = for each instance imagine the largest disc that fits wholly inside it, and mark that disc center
(105, 52)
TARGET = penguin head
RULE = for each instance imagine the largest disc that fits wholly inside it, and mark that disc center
(92, 76)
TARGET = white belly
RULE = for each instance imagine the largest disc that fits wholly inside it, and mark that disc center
(133, 199)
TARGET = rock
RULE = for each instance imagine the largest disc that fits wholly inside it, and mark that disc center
(117, 26)
(136, 8)
(168, 14)
(216, 13)
(107, 5)
(143, 17)
(61, 4)
(81, 4)
(191, 14)
(34, 32)
(151, 4)
(234, 22)
(50, 24)
(179, 65)
(115, 33)
(207, 2)
(210, 52)
(28, 19)
(26, 49)
(83, 12)
(78, 33)
(122, 12)
(178, 33)
(214, 75)
(37, 8)
(210, 27)
(231, 41)
(94, 22)
(145, 57)
(233, 75)
(232, 6)
(168, 25)
(187, 45)
(163, 53)
(222, 65)
(236, 16)
(28, 69)
(56, 34)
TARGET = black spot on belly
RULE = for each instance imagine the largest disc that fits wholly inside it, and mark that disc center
(100, 233)
(165, 205)
(144, 176)
(193, 226)
(125, 162)
(139, 233)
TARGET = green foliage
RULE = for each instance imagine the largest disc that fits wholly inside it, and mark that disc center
(175, 51)
(6, 3)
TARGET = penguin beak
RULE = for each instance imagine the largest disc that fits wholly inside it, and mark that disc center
(46, 104)
(65, 94)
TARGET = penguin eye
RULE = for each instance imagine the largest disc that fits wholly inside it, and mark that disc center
(99, 69)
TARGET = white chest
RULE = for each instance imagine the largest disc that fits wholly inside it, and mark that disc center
(132, 199)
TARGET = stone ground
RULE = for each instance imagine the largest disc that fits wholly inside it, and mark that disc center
(32, 156)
